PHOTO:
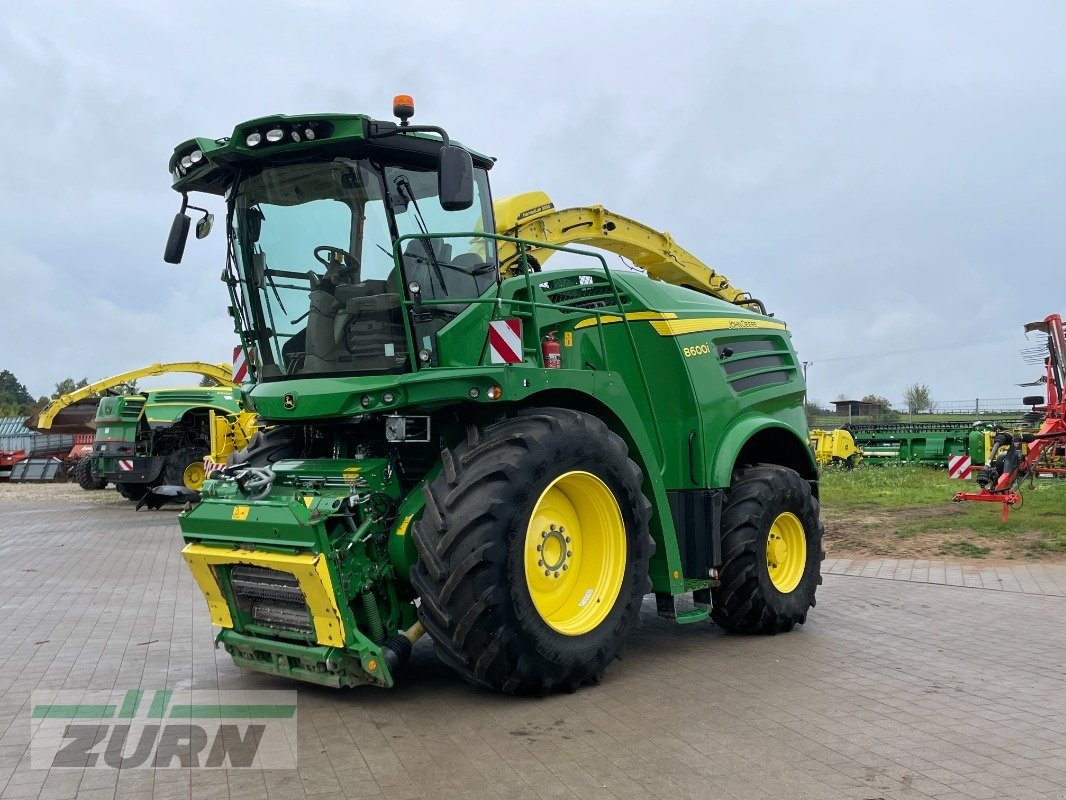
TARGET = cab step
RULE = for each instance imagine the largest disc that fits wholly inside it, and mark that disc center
(664, 604)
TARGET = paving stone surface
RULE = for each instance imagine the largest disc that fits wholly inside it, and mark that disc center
(1046, 579)
(910, 680)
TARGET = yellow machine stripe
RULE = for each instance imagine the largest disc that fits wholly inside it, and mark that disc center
(309, 570)
(208, 582)
(668, 324)
(680, 327)
(633, 316)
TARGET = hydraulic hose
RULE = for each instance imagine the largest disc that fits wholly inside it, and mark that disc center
(254, 482)
(994, 467)
(397, 648)
(373, 618)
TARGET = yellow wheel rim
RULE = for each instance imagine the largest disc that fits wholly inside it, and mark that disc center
(193, 476)
(575, 553)
(786, 552)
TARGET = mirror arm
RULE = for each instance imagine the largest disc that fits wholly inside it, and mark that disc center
(393, 129)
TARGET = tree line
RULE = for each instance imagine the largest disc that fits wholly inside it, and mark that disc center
(917, 398)
(16, 400)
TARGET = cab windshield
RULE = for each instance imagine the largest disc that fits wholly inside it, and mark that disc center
(315, 245)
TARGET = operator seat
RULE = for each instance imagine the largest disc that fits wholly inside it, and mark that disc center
(418, 265)
(467, 285)
(458, 281)
(354, 326)
(360, 325)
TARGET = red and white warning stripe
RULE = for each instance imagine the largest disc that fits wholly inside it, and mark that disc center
(240, 365)
(126, 464)
(959, 467)
(505, 341)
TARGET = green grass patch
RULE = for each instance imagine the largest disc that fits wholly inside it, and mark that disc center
(889, 487)
(963, 548)
(916, 502)
(1051, 543)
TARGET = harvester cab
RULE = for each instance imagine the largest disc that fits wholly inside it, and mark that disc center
(461, 444)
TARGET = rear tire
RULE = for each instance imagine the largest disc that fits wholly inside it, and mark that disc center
(83, 475)
(494, 617)
(772, 552)
(185, 467)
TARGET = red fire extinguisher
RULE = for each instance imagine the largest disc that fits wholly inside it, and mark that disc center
(553, 353)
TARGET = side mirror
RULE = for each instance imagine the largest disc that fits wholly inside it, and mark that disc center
(455, 179)
(179, 234)
(204, 225)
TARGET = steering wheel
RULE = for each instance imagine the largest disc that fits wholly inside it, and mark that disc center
(339, 264)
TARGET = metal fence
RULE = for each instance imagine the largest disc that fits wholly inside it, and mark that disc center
(995, 405)
(978, 406)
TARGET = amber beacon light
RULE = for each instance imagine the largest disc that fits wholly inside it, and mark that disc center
(403, 106)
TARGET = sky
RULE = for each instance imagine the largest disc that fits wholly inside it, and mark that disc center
(886, 176)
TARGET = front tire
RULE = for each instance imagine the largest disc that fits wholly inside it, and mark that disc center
(83, 474)
(185, 467)
(533, 552)
(771, 551)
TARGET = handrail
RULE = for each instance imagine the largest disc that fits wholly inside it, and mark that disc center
(532, 305)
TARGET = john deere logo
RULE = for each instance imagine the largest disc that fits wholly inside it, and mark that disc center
(290, 401)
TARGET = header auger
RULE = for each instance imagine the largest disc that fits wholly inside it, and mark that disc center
(462, 443)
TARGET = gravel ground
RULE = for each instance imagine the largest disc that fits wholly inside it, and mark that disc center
(56, 494)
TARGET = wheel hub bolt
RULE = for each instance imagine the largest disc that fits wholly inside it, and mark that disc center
(553, 551)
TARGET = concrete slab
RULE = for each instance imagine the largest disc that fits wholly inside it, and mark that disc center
(910, 680)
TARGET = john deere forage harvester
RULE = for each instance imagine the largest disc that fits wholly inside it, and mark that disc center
(462, 444)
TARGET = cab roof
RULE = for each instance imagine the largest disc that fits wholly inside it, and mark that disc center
(208, 165)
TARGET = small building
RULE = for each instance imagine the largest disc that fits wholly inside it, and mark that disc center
(858, 408)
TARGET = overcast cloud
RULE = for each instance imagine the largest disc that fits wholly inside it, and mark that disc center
(886, 176)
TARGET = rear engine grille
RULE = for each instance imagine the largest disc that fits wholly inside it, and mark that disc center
(272, 598)
(583, 291)
(131, 410)
(201, 398)
(754, 363)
